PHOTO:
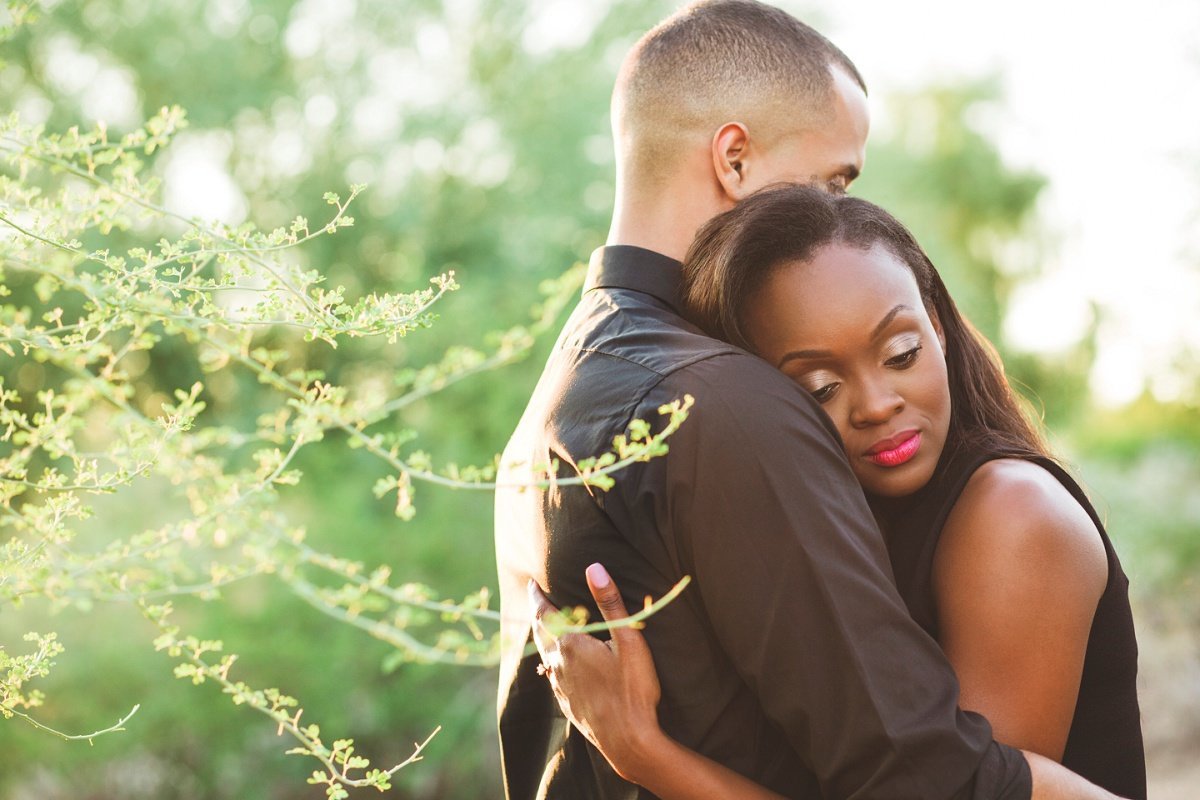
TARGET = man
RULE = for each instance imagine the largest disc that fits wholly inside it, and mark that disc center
(791, 658)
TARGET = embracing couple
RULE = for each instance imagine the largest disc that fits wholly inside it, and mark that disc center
(896, 592)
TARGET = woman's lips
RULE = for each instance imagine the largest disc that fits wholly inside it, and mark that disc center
(895, 451)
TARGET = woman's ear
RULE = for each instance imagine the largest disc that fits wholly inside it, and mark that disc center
(729, 147)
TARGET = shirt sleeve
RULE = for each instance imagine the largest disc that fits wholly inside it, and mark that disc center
(792, 570)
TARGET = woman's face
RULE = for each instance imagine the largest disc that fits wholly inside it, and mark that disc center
(850, 328)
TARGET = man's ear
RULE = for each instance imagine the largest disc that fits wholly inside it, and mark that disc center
(729, 146)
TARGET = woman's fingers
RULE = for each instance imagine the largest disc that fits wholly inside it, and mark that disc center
(544, 640)
(605, 593)
(608, 690)
(612, 608)
(563, 656)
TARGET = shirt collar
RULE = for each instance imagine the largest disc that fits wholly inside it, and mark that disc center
(624, 266)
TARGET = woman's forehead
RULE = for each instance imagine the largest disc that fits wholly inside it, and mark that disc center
(835, 299)
(842, 274)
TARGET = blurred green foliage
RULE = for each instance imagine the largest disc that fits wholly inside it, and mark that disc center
(485, 144)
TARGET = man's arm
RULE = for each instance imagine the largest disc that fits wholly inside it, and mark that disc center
(794, 575)
(610, 692)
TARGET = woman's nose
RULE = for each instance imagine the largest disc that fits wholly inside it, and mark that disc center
(875, 404)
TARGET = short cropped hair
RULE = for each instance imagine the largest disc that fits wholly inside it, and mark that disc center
(718, 61)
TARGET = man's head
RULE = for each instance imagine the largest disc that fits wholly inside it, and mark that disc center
(738, 94)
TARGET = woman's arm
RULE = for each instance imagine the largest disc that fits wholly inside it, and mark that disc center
(611, 693)
(1017, 575)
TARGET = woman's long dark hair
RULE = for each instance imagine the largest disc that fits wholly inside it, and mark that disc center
(735, 253)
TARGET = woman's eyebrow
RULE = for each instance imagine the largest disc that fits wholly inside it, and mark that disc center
(887, 318)
(814, 354)
(795, 354)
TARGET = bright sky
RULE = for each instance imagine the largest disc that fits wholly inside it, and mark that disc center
(1103, 99)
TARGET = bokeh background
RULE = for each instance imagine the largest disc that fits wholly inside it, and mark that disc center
(1047, 155)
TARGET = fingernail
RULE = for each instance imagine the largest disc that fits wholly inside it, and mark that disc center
(598, 576)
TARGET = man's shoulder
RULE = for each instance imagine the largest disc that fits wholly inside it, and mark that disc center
(620, 328)
(620, 358)
(619, 324)
(615, 350)
(743, 400)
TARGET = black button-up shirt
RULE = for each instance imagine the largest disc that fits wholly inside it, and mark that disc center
(791, 657)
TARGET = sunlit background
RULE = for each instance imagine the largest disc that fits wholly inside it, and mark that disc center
(1046, 153)
(1104, 101)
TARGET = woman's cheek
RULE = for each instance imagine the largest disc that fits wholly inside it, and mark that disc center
(937, 392)
(839, 413)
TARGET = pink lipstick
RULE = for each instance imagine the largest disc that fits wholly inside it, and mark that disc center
(895, 451)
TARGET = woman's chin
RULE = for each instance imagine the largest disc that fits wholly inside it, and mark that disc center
(899, 481)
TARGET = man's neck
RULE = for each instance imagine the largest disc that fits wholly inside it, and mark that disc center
(658, 238)
(665, 223)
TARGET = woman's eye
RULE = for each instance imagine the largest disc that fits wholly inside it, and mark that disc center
(824, 393)
(905, 359)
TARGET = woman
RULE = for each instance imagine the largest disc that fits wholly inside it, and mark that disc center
(995, 549)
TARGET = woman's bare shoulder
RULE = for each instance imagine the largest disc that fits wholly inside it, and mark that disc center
(1013, 516)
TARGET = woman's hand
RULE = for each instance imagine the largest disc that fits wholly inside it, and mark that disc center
(608, 690)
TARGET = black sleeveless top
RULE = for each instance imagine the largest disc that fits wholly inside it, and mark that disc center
(1105, 741)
